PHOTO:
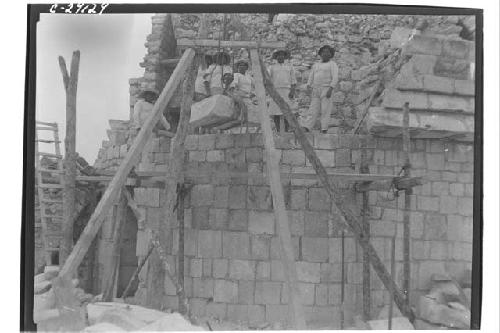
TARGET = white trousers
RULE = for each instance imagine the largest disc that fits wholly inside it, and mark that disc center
(320, 105)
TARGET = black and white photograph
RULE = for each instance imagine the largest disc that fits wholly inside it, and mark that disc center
(253, 167)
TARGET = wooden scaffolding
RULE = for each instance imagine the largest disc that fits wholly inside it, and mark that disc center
(174, 177)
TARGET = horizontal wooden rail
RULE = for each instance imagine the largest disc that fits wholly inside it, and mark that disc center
(237, 44)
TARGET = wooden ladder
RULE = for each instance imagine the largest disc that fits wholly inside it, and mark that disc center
(49, 183)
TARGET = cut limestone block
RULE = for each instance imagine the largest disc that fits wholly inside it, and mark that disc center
(121, 318)
(398, 323)
(451, 316)
(212, 111)
(104, 327)
(171, 322)
(423, 124)
(42, 287)
(95, 310)
(423, 325)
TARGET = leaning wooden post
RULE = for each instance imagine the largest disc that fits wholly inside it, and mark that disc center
(408, 192)
(296, 311)
(70, 86)
(172, 176)
(339, 209)
(110, 195)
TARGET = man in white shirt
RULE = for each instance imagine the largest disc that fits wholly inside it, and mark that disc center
(322, 80)
(144, 106)
(242, 90)
(284, 81)
(200, 91)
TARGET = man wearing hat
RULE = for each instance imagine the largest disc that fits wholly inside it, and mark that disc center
(213, 75)
(284, 80)
(322, 80)
(144, 106)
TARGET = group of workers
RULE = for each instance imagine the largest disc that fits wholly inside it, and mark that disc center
(219, 78)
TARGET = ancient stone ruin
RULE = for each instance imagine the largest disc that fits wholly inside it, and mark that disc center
(232, 266)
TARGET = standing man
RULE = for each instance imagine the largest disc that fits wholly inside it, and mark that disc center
(284, 80)
(322, 79)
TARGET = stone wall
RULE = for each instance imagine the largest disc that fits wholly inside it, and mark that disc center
(438, 82)
(232, 266)
(360, 42)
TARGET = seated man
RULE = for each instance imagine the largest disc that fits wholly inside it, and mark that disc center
(200, 91)
(242, 89)
(143, 108)
(213, 75)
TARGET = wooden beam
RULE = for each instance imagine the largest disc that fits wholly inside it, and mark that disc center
(393, 274)
(172, 178)
(134, 277)
(296, 311)
(366, 229)
(168, 134)
(353, 177)
(180, 252)
(164, 123)
(235, 44)
(408, 192)
(399, 183)
(133, 155)
(113, 265)
(361, 118)
(141, 219)
(69, 197)
(339, 209)
(170, 61)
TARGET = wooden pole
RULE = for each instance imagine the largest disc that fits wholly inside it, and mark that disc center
(342, 281)
(134, 277)
(180, 253)
(345, 214)
(114, 259)
(296, 311)
(111, 193)
(172, 178)
(366, 229)
(70, 86)
(393, 273)
(408, 192)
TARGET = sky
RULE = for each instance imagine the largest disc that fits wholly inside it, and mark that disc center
(111, 48)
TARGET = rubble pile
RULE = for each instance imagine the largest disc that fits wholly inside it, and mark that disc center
(445, 306)
(48, 312)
